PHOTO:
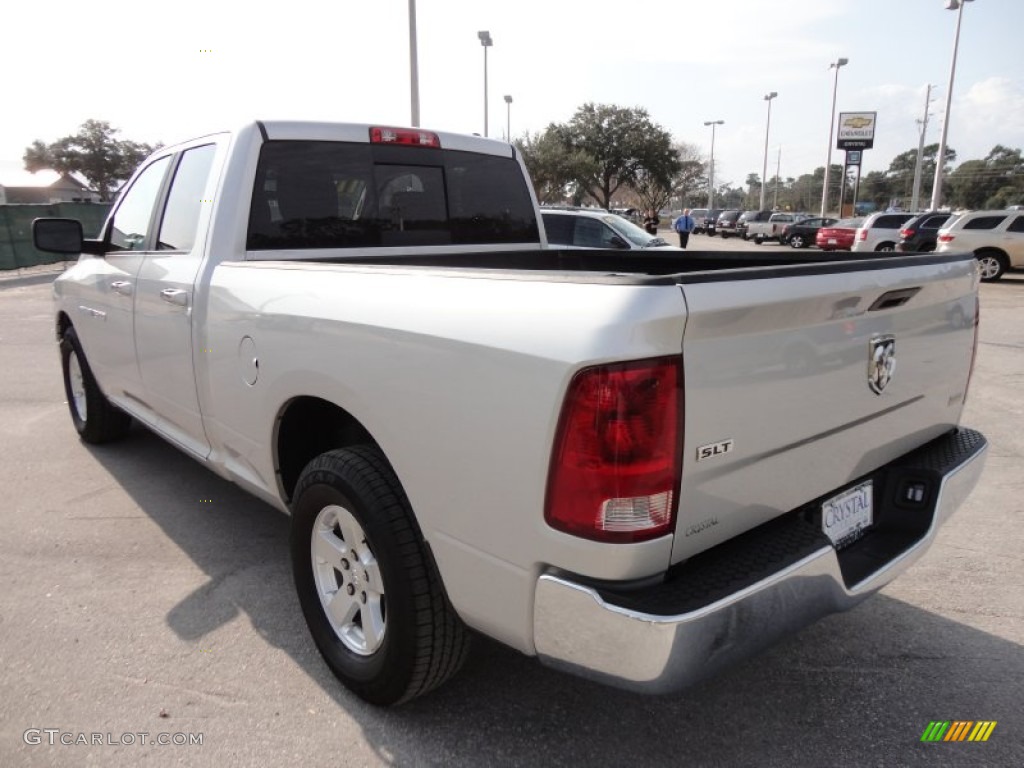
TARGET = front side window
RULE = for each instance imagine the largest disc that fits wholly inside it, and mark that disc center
(321, 194)
(591, 233)
(131, 223)
(181, 214)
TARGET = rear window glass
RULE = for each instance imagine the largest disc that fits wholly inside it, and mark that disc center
(984, 222)
(934, 222)
(324, 194)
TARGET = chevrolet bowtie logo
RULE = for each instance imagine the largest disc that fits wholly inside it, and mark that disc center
(857, 122)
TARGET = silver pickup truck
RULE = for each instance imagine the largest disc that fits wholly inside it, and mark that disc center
(639, 467)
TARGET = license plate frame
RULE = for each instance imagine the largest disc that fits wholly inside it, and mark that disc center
(847, 515)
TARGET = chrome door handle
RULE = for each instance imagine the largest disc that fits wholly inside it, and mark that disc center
(122, 287)
(175, 296)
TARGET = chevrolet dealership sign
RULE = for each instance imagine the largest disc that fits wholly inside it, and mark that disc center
(856, 130)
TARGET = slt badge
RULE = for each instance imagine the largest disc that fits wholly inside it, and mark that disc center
(881, 362)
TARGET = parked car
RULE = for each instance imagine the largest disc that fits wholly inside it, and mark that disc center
(698, 215)
(584, 228)
(748, 218)
(838, 236)
(880, 231)
(727, 223)
(921, 233)
(801, 234)
(995, 237)
(711, 221)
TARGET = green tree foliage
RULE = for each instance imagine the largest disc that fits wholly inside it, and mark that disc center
(613, 147)
(995, 182)
(94, 152)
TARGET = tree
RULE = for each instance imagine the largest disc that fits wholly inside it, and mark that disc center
(94, 152)
(990, 183)
(901, 173)
(613, 147)
(551, 166)
(652, 191)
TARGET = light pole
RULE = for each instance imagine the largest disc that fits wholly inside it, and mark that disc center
(831, 127)
(508, 118)
(711, 173)
(915, 197)
(764, 170)
(486, 42)
(940, 158)
(414, 73)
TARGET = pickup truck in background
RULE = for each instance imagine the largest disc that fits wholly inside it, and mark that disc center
(640, 467)
(770, 227)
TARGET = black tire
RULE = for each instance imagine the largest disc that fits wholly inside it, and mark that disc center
(797, 241)
(885, 247)
(422, 640)
(96, 420)
(758, 240)
(993, 264)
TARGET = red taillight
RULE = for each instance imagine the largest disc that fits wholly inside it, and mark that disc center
(617, 456)
(863, 234)
(945, 238)
(906, 233)
(409, 137)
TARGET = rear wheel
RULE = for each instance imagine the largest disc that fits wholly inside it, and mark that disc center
(758, 239)
(886, 247)
(368, 587)
(95, 419)
(992, 263)
(797, 241)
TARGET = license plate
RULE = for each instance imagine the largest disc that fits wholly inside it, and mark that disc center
(831, 241)
(845, 516)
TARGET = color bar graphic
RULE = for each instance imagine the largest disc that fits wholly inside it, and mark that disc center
(958, 730)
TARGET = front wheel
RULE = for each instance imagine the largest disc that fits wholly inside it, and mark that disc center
(992, 265)
(95, 419)
(367, 585)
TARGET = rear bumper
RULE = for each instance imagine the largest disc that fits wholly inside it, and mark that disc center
(726, 606)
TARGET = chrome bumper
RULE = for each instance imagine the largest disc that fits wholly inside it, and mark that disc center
(578, 631)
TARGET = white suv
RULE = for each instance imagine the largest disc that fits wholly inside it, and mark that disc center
(995, 237)
(880, 231)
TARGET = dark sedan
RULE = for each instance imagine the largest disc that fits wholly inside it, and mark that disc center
(920, 234)
(802, 233)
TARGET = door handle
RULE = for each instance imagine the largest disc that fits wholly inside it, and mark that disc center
(122, 287)
(175, 296)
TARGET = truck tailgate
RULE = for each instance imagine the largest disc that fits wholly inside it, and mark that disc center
(782, 404)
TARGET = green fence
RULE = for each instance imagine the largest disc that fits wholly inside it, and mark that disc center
(16, 248)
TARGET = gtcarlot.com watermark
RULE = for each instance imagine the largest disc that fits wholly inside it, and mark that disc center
(54, 737)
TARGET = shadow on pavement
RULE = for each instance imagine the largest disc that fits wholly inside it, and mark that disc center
(856, 689)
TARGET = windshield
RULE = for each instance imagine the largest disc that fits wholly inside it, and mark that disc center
(631, 231)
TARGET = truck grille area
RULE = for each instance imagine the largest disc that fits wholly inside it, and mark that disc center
(905, 493)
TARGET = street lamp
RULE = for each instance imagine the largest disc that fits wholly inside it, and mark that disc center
(940, 159)
(414, 75)
(764, 171)
(486, 42)
(831, 127)
(711, 174)
(508, 118)
(915, 197)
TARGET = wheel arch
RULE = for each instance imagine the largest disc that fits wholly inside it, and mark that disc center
(307, 426)
(63, 323)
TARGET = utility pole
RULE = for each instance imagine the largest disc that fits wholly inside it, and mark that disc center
(915, 198)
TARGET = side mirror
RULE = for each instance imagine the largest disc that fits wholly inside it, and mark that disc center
(617, 242)
(58, 235)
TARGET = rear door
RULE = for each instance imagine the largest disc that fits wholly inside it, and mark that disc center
(164, 300)
(778, 378)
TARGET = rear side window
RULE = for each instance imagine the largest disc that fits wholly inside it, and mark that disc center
(1017, 225)
(559, 229)
(890, 222)
(322, 194)
(934, 222)
(984, 222)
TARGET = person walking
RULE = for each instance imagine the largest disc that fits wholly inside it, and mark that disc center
(684, 226)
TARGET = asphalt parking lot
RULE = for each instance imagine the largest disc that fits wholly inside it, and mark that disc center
(142, 594)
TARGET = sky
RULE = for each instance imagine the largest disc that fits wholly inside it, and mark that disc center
(198, 67)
